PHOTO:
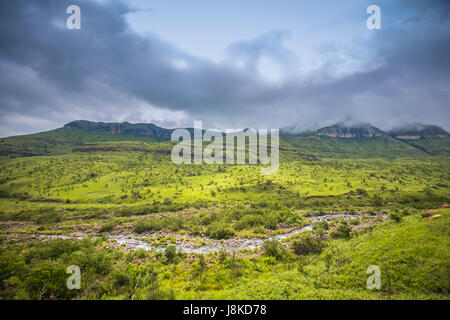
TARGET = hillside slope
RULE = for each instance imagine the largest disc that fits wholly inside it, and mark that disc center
(331, 142)
(376, 147)
(412, 255)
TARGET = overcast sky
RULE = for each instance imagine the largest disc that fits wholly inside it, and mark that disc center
(230, 63)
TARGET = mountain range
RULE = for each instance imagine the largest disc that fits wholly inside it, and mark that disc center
(339, 140)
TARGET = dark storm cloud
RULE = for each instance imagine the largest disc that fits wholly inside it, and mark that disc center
(49, 70)
(107, 72)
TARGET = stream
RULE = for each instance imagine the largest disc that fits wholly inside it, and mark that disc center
(136, 242)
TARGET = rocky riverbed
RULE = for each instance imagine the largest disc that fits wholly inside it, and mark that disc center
(204, 245)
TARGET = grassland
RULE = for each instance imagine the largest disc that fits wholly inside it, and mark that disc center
(99, 190)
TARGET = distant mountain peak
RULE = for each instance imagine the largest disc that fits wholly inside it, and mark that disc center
(417, 131)
(138, 129)
(353, 131)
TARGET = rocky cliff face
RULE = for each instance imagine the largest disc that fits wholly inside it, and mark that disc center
(419, 131)
(140, 129)
(346, 132)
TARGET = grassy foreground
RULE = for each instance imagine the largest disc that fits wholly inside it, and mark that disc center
(131, 189)
(411, 251)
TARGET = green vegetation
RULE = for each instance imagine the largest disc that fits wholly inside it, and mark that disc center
(101, 188)
(413, 256)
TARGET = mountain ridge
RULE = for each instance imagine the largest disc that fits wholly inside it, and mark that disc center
(417, 131)
(339, 140)
(343, 131)
(139, 129)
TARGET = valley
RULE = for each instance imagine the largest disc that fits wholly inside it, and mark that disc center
(141, 227)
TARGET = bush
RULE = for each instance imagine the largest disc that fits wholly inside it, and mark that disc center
(10, 265)
(377, 201)
(223, 254)
(361, 192)
(273, 248)
(219, 231)
(170, 253)
(320, 227)
(53, 249)
(271, 222)
(249, 221)
(108, 226)
(48, 218)
(148, 225)
(172, 223)
(307, 245)
(48, 281)
(342, 231)
(395, 216)
(120, 279)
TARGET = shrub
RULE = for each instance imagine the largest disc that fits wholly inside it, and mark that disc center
(395, 216)
(10, 265)
(219, 231)
(273, 248)
(258, 230)
(361, 192)
(108, 226)
(249, 221)
(307, 245)
(48, 281)
(271, 222)
(120, 279)
(170, 253)
(342, 231)
(148, 225)
(206, 218)
(321, 225)
(222, 255)
(172, 223)
(48, 218)
(377, 201)
(195, 230)
(52, 249)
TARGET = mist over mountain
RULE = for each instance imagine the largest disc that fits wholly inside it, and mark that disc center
(418, 131)
(341, 130)
(310, 69)
(340, 140)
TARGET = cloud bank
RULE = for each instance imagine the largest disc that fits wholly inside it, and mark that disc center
(109, 72)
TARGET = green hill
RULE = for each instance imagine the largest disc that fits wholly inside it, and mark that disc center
(331, 142)
(74, 134)
(376, 147)
(432, 145)
(59, 141)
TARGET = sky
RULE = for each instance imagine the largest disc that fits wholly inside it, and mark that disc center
(229, 63)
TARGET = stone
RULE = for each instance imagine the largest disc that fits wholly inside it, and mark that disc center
(428, 213)
(434, 217)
